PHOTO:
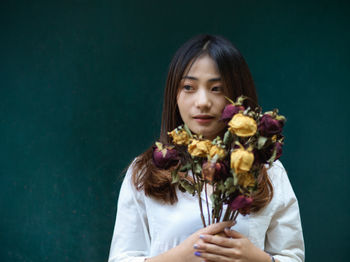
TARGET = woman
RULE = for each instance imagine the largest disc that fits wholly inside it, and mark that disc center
(157, 222)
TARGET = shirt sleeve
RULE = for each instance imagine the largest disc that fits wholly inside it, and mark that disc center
(131, 241)
(284, 237)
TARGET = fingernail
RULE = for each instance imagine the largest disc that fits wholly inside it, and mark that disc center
(202, 236)
(227, 228)
(195, 246)
(198, 254)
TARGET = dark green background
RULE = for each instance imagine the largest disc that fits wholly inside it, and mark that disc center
(81, 85)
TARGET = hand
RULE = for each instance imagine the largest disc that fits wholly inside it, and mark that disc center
(185, 250)
(234, 247)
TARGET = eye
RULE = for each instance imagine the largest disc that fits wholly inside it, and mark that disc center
(187, 87)
(216, 89)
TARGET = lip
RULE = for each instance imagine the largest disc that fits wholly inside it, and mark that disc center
(203, 119)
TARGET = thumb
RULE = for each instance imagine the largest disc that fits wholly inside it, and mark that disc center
(233, 233)
(217, 227)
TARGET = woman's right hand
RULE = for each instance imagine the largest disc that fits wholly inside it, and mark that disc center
(185, 252)
(186, 247)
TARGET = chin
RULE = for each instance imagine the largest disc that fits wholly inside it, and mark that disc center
(208, 132)
(211, 136)
(206, 135)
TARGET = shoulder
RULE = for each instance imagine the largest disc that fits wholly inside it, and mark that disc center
(278, 174)
(128, 186)
(132, 168)
(283, 190)
(276, 170)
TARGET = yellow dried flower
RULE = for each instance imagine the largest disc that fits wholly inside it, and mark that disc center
(199, 148)
(246, 180)
(241, 160)
(180, 137)
(242, 125)
(217, 150)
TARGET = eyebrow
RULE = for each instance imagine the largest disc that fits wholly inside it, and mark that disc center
(210, 80)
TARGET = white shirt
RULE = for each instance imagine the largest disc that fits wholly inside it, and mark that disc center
(146, 227)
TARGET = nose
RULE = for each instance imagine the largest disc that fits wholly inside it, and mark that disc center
(203, 101)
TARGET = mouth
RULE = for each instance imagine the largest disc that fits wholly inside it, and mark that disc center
(202, 119)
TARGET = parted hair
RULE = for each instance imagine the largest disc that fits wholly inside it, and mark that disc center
(237, 81)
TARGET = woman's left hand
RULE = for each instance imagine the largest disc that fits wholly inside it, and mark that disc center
(235, 247)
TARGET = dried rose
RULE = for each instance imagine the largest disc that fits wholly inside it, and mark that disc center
(263, 155)
(242, 125)
(164, 156)
(222, 171)
(246, 180)
(208, 171)
(180, 137)
(229, 111)
(241, 160)
(214, 171)
(241, 202)
(217, 150)
(270, 126)
(200, 148)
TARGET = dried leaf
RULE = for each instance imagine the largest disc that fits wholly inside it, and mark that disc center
(186, 167)
(229, 183)
(261, 142)
(228, 138)
(188, 130)
(197, 169)
(273, 157)
(175, 176)
(189, 187)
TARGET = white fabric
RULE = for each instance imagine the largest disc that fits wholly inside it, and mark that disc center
(145, 227)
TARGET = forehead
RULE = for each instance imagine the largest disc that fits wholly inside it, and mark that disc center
(203, 66)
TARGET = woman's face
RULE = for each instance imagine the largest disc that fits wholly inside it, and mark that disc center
(201, 98)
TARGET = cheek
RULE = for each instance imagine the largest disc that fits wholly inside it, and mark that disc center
(183, 102)
(179, 105)
(220, 103)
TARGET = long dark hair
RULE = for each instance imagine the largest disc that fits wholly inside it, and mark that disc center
(237, 81)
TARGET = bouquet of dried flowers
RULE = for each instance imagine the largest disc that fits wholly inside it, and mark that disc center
(230, 165)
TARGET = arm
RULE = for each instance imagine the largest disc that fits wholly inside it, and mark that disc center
(284, 237)
(131, 241)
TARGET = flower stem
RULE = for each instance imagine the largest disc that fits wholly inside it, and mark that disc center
(220, 212)
(197, 182)
(227, 214)
(206, 199)
(236, 215)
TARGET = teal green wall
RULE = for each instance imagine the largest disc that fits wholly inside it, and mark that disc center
(81, 86)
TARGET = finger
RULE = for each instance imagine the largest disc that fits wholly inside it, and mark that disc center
(212, 257)
(233, 233)
(217, 227)
(218, 240)
(215, 249)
